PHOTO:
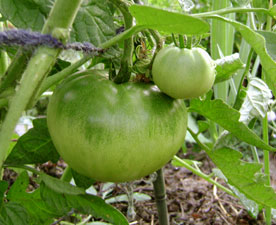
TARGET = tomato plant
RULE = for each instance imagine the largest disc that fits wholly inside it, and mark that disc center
(183, 73)
(115, 132)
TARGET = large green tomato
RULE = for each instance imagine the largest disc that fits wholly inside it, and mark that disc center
(183, 73)
(113, 132)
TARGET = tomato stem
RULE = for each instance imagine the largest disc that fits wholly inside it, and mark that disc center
(160, 198)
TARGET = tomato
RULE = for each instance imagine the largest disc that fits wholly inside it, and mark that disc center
(114, 132)
(183, 73)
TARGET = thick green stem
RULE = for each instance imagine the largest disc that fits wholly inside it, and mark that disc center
(61, 17)
(203, 175)
(160, 198)
(126, 61)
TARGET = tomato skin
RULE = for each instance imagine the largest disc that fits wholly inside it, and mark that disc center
(183, 73)
(113, 132)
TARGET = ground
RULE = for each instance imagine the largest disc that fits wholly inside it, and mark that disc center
(191, 200)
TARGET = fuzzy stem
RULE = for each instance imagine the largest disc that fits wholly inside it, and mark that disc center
(181, 41)
(61, 16)
(160, 198)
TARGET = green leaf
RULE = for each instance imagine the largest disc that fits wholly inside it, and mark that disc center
(35, 146)
(60, 186)
(167, 21)
(87, 204)
(243, 176)
(23, 14)
(228, 118)
(13, 213)
(258, 43)
(227, 66)
(94, 24)
(39, 212)
(202, 126)
(81, 180)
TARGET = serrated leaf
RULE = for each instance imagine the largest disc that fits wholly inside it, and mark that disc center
(60, 186)
(227, 66)
(258, 43)
(94, 24)
(23, 14)
(13, 213)
(228, 118)
(87, 204)
(35, 146)
(256, 101)
(242, 175)
(81, 180)
(39, 212)
(167, 21)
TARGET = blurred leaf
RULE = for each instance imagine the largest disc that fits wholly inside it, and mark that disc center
(60, 186)
(13, 213)
(256, 101)
(35, 146)
(227, 66)
(194, 127)
(186, 5)
(240, 2)
(202, 126)
(87, 204)
(39, 212)
(138, 197)
(167, 21)
(242, 176)
(258, 43)
(24, 14)
(228, 118)
(270, 43)
(81, 180)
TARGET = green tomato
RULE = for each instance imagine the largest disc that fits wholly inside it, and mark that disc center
(114, 132)
(183, 73)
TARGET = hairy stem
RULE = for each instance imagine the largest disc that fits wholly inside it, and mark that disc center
(160, 198)
(61, 17)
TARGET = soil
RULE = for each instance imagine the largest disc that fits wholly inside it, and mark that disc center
(191, 200)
